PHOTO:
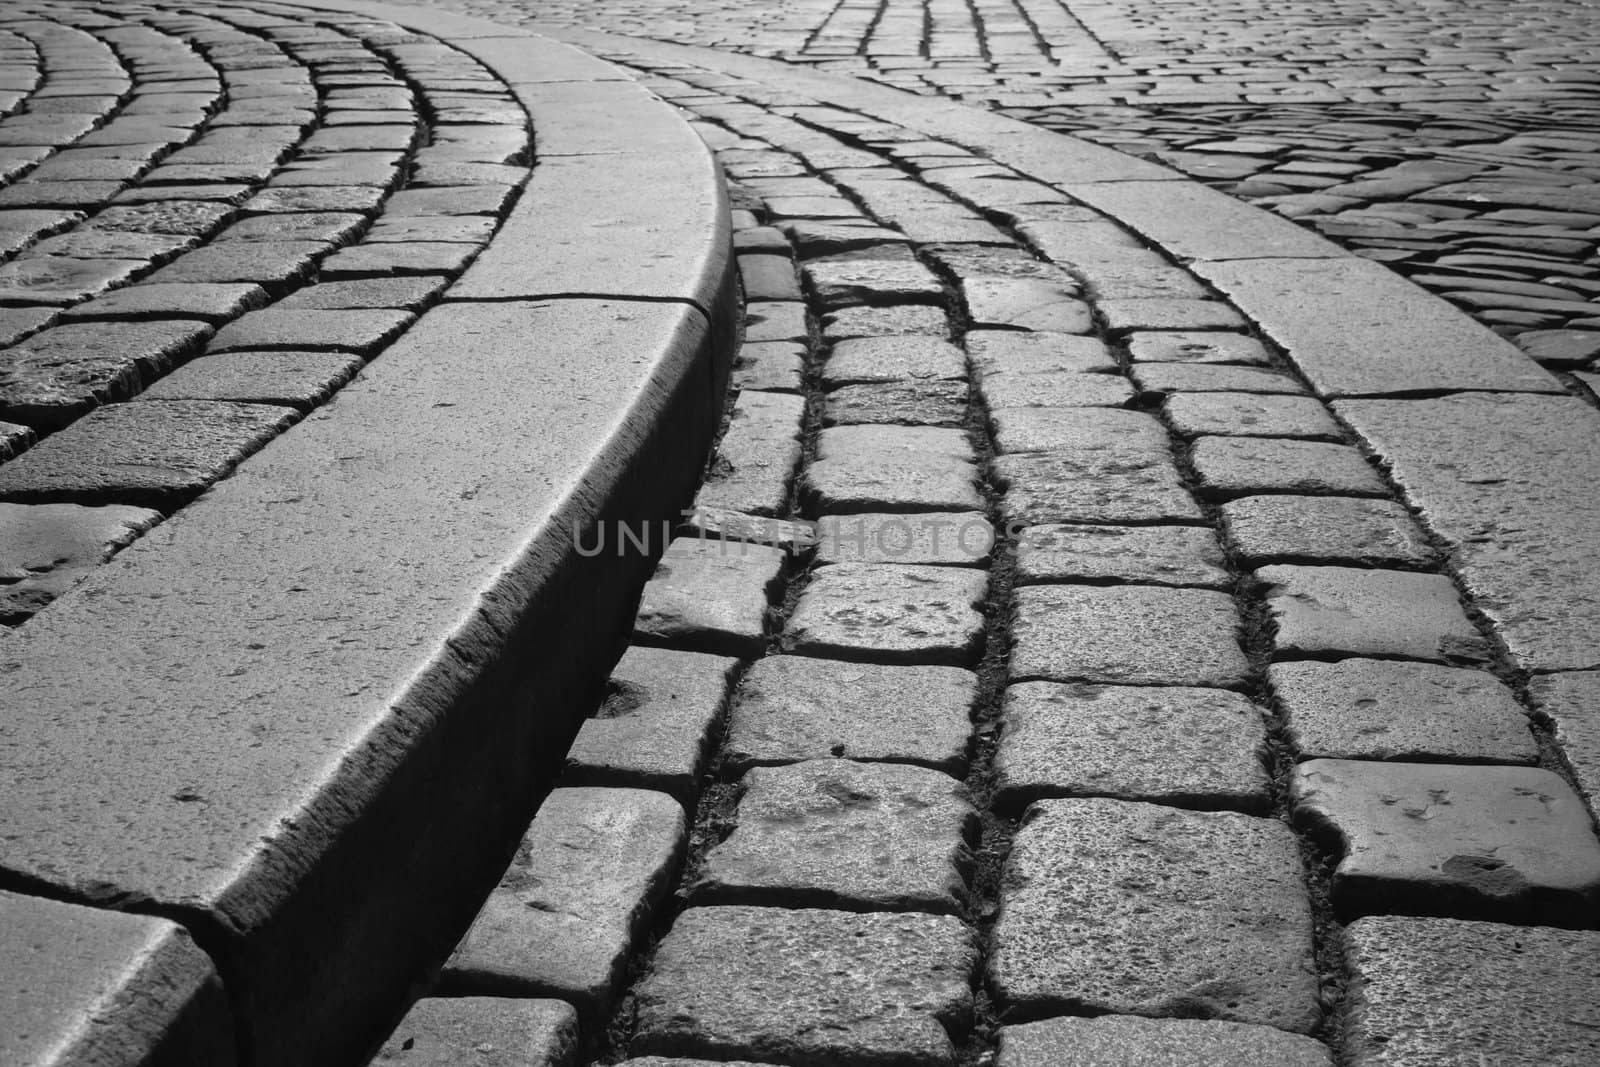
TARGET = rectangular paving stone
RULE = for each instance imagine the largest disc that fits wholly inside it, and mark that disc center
(1107, 1040)
(1470, 841)
(362, 198)
(171, 300)
(953, 538)
(775, 366)
(390, 260)
(1150, 555)
(1130, 635)
(57, 375)
(653, 727)
(1212, 378)
(1355, 611)
(1003, 352)
(14, 439)
(1495, 994)
(808, 986)
(870, 278)
(332, 227)
(757, 455)
(1129, 484)
(710, 596)
(61, 280)
(1196, 346)
(273, 265)
(893, 320)
(768, 277)
(884, 613)
(361, 331)
(1250, 415)
(491, 1031)
(1113, 906)
(793, 708)
(1026, 304)
(1054, 389)
(892, 359)
(891, 468)
(1386, 710)
(1323, 529)
(299, 380)
(838, 834)
(1077, 429)
(477, 199)
(913, 403)
(1199, 748)
(1167, 313)
(592, 867)
(1571, 701)
(413, 293)
(17, 323)
(1230, 467)
(775, 320)
(46, 549)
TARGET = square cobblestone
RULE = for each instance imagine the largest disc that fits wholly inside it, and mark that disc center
(1322, 610)
(363, 332)
(775, 320)
(1239, 466)
(995, 353)
(890, 614)
(1057, 390)
(892, 468)
(1078, 429)
(870, 278)
(710, 596)
(1128, 484)
(1323, 529)
(1196, 346)
(1153, 555)
(55, 376)
(757, 455)
(1250, 415)
(893, 359)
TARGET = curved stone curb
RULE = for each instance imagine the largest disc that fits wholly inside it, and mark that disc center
(304, 715)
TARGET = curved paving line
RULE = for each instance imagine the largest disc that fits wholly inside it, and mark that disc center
(370, 644)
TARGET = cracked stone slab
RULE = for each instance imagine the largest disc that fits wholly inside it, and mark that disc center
(1320, 610)
(838, 834)
(892, 468)
(653, 727)
(793, 708)
(808, 986)
(586, 876)
(1238, 466)
(1131, 635)
(1323, 529)
(757, 455)
(1153, 555)
(1196, 346)
(893, 359)
(1173, 745)
(1112, 906)
(1448, 991)
(1250, 415)
(1571, 701)
(1137, 484)
(959, 538)
(1367, 709)
(1472, 841)
(710, 596)
(1113, 1040)
(46, 549)
(486, 1031)
(890, 614)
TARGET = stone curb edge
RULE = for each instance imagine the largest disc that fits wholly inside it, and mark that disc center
(296, 724)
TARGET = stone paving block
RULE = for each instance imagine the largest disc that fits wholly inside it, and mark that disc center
(675, 1061)
(826, 237)
(1212, 378)
(914, 403)
(482, 198)
(1166, 313)
(1507, 483)
(870, 278)
(1448, 991)
(110, 245)
(467, 229)
(1055, 389)
(837, 834)
(55, 376)
(172, 300)
(1116, 1040)
(1111, 906)
(1320, 610)
(486, 1031)
(892, 468)
(273, 265)
(1571, 701)
(1150, 555)
(892, 359)
(412, 293)
(768, 277)
(1172, 745)
(775, 320)
(1133, 635)
(361, 331)
(955, 538)
(1386, 710)
(997, 353)
(18, 322)
(170, 215)
(155, 455)
(1076, 430)
(808, 986)
(389, 260)
(1323, 529)
(587, 875)
(793, 708)
(653, 727)
(1250, 415)
(1025, 304)
(14, 439)
(793, 536)
(763, 240)
(770, 365)
(710, 596)
(1230, 467)
(1472, 841)
(890, 614)
(364, 199)
(329, 227)
(300, 380)
(1139, 484)
(894, 320)
(92, 985)
(1196, 346)
(757, 455)
(60, 280)
(46, 549)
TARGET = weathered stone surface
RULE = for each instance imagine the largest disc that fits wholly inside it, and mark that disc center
(273, 265)
(332, 227)
(1447, 991)
(1572, 702)
(1047, 389)
(55, 376)
(1196, 346)
(90, 985)
(891, 320)
(768, 277)
(14, 439)
(1508, 842)
(172, 300)
(392, 259)
(46, 279)
(757, 455)
(822, 237)
(1237, 466)
(46, 549)
(1165, 313)
(892, 359)
(587, 874)
(1173, 745)
(808, 986)
(870, 278)
(1078, 429)
(775, 320)
(18, 322)
(1026, 304)
(710, 596)
(1211, 378)
(653, 727)
(961, 538)
(1560, 348)
(793, 536)
(411, 293)
(890, 614)
(1138, 484)
(150, 455)
(838, 834)
(1507, 482)
(1386, 710)
(1250, 415)
(169, 215)
(361, 331)
(491, 1031)
(1110, 1040)
(1122, 907)
(793, 708)
(1156, 555)
(892, 468)
(1369, 612)
(915, 403)
(995, 353)
(1138, 635)
(770, 365)
(1323, 529)
(300, 380)
(484, 198)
